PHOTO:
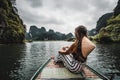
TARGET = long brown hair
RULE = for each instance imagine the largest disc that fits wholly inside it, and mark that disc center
(80, 32)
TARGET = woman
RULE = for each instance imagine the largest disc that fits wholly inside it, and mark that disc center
(72, 56)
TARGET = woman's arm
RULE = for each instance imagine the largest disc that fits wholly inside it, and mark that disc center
(69, 50)
(65, 48)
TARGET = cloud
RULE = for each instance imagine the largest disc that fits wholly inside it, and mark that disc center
(35, 3)
(31, 17)
(63, 15)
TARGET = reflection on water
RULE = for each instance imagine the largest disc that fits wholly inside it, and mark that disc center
(105, 59)
(20, 61)
(9, 54)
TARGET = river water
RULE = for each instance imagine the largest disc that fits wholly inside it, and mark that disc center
(20, 61)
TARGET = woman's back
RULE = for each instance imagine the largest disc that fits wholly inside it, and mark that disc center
(78, 53)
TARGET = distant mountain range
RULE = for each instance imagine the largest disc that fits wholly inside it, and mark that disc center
(36, 33)
(12, 29)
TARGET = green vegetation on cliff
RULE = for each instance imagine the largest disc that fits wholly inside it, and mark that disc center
(12, 29)
(36, 33)
(110, 32)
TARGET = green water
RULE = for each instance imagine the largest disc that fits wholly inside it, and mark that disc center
(20, 61)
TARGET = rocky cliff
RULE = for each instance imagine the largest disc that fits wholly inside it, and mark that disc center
(110, 32)
(41, 34)
(12, 29)
(102, 22)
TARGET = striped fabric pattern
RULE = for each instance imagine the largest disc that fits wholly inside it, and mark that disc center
(70, 63)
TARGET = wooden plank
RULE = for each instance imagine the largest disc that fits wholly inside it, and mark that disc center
(97, 73)
(89, 74)
(58, 71)
(36, 74)
(51, 71)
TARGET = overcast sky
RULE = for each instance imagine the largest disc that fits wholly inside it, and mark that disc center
(63, 15)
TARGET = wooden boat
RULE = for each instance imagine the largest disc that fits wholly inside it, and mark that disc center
(51, 71)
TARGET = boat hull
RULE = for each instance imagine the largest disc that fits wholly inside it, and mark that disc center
(51, 71)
